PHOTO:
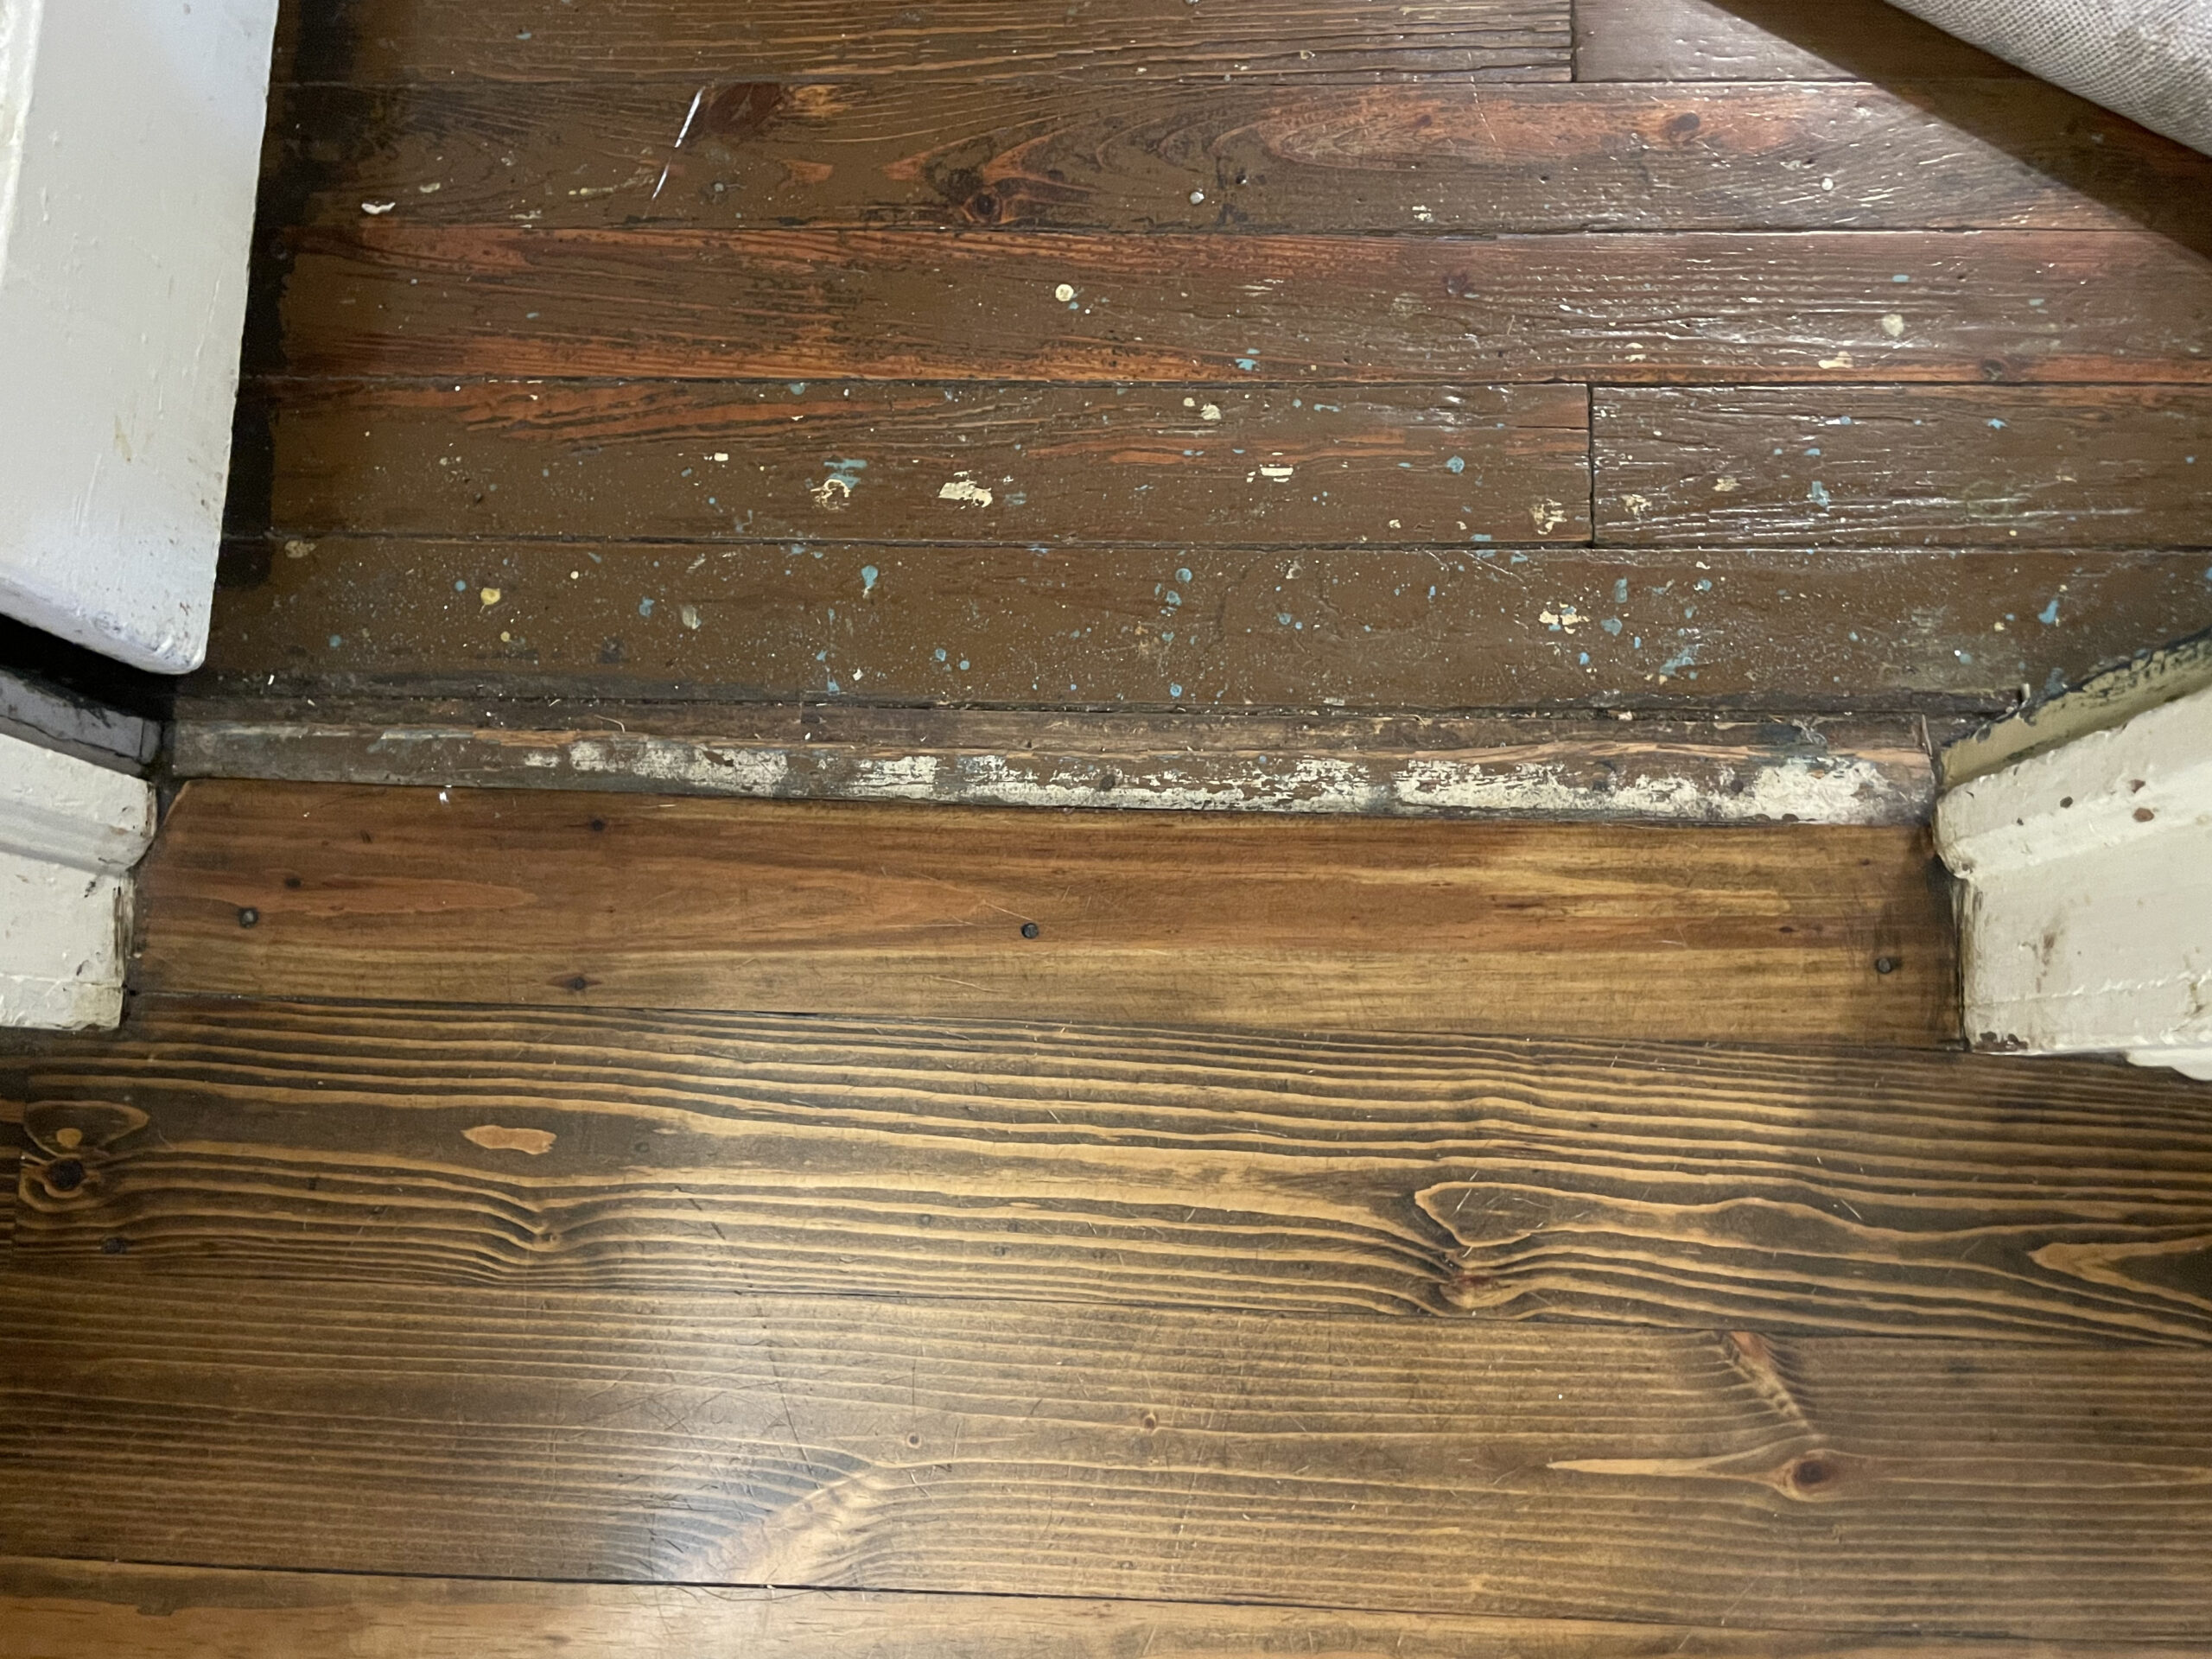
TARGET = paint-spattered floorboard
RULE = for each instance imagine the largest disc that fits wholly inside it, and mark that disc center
(1365, 321)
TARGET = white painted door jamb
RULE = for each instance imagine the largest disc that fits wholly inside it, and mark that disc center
(70, 832)
(2087, 920)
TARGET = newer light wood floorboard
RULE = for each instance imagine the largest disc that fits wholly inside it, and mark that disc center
(1808, 1483)
(1795, 933)
(58, 1610)
(1690, 1187)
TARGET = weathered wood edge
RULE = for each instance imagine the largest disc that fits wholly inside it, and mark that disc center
(1688, 772)
(2109, 699)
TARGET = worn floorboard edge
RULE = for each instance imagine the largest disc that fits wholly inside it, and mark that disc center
(1871, 771)
(54, 1608)
(1790, 933)
(1680, 1477)
(1772, 1190)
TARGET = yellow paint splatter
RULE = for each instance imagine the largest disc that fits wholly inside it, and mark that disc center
(490, 596)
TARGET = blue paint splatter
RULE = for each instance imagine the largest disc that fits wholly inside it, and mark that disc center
(644, 607)
(1457, 464)
(834, 688)
(1704, 584)
(336, 640)
(963, 663)
(2048, 615)
(798, 388)
(867, 578)
(1247, 364)
(1620, 590)
(461, 587)
(1900, 277)
(1583, 660)
(1611, 625)
(1183, 576)
(1283, 617)
(1818, 493)
(1174, 691)
(1997, 426)
(1172, 598)
(940, 653)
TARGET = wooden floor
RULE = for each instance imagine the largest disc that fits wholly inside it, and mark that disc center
(596, 1218)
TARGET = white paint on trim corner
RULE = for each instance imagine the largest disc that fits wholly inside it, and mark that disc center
(129, 149)
(2088, 924)
(70, 832)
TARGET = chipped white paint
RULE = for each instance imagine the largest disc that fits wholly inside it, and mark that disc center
(1277, 474)
(832, 492)
(1547, 515)
(2088, 914)
(967, 491)
(130, 151)
(1638, 505)
(375, 209)
(1684, 788)
(69, 833)
(1893, 326)
(1211, 412)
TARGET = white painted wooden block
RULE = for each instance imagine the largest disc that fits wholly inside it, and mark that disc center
(129, 146)
(70, 832)
(2089, 871)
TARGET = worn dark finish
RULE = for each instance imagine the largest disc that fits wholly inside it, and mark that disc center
(1767, 39)
(1364, 628)
(1247, 155)
(157, 1612)
(868, 461)
(389, 297)
(1881, 465)
(1765, 1190)
(1814, 1482)
(1764, 934)
(1652, 769)
(683, 42)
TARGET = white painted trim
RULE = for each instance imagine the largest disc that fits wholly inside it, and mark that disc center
(130, 151)
(70, 832)
(2088, 924)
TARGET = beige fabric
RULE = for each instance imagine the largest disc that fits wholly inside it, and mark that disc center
(2151, 60)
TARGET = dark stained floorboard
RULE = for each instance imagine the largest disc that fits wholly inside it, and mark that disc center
(1673, 1478)
(1764, 1190)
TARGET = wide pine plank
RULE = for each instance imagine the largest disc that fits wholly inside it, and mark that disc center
(872, 462)
(1677, 1186)
(390, 297)
(51, 1608)
(1797, 933)
(1817, 1484)
(1279, 155)
(1088, 626)
(959, 42)
(1881, 466)
(1767, 39)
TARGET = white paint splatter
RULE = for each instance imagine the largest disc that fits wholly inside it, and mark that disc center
(1724, 486)
(1547, 516)
(1893, 326)
(966, 489)
(1211, 412)
(1637, 505)
(375, 208)
(1065, 292)
(1277, 474)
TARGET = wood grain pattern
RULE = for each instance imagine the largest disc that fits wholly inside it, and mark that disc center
(70, 1610)
(1761, 1190)
(1274, 156)
(1093, 627)
(388, 297)
(1767, 39)
(1652, 769)
(1895, 465)
(377, 43)
(868, 461)
(492, 896)
(1837, 1483)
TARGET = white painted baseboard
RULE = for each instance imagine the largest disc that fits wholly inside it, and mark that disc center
(2088, 924)
(70, 832)
(129, 149)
